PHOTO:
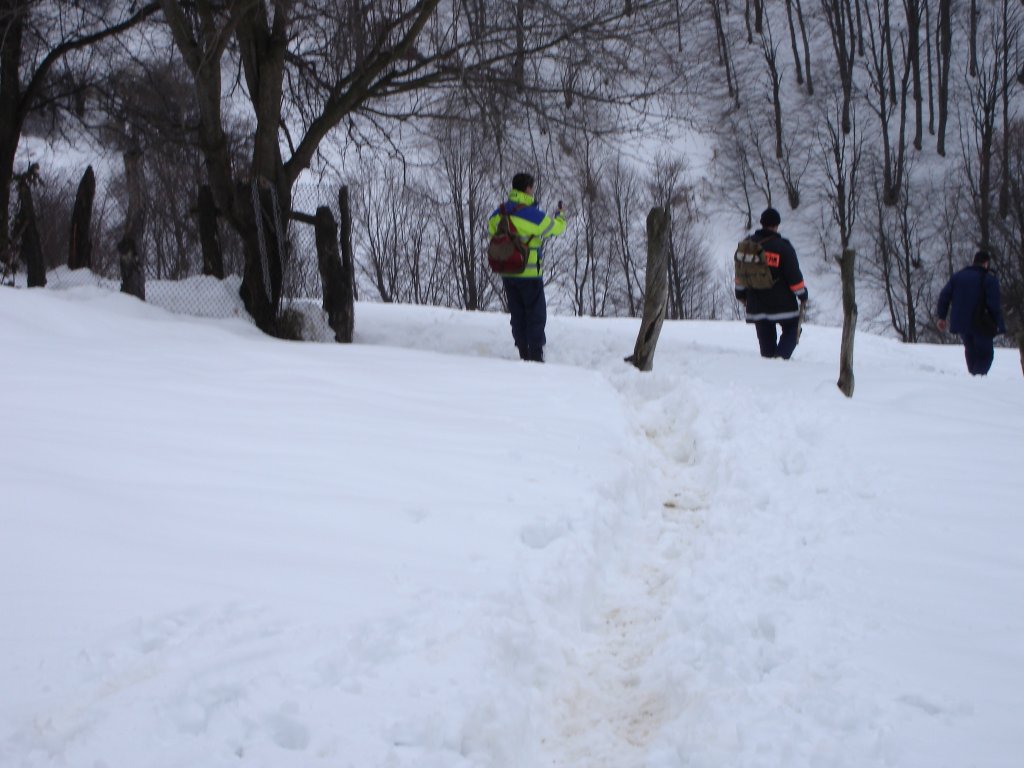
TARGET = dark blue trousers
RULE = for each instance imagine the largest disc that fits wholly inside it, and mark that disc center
(529, 313)
(979, 352)
(785, 344)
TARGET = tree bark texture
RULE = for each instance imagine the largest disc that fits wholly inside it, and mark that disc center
(80, 242)
(348, 259)
(209, 238)
(337, 304)
(656, 294)
(846, 270)
(130, 248)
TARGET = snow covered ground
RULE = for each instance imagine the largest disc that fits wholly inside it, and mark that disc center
(219, 549)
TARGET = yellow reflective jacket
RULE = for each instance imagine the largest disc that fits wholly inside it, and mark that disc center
(530, 222)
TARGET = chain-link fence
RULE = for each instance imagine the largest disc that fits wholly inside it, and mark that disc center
(171, 255)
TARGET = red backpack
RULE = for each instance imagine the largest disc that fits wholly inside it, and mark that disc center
(507, 253)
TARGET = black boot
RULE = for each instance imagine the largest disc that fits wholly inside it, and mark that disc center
(535, 354)
(523, 353)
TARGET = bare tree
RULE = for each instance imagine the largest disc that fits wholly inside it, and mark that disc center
(913, 11)
(692, 291)
(466, 173)
(725, 58)
(624, 195)
(770, 51)
(985, 99)
(1008, 234)
(36, 38)
(886, 103)
(843, 154)
(898, 267)
(839, 15)
(315, 65)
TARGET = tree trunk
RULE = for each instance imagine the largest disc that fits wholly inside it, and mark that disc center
(337, 300)
(846, 264)
(656, 295)
(209, 238)
(973, 42)
(11, 117)
(913, 10)
(945, 53)
(133, 275)
(80, 242)
(262, 237)
(792, 43)
(28, 233)
(807, 48)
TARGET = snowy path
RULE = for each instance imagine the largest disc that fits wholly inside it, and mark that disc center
(613, 703)
(615, 698)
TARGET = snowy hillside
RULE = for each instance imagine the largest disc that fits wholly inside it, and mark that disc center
(220, 549)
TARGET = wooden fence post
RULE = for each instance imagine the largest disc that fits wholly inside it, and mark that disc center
(337, 302)
(28, 229)
(656, 291)
(133, 274)
(80, 242)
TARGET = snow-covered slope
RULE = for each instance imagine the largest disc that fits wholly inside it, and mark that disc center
(220, 549)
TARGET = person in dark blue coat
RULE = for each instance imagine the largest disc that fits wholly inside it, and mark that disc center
(964, 290)
(781, 304)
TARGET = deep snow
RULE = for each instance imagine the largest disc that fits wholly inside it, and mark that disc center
(220, 549)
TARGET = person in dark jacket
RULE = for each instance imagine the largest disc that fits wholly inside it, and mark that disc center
(964, 291)
(524, 292)
(782, 303)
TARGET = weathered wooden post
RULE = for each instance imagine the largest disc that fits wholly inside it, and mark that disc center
(348, 259)
(80, 242)
(28, 229)
(133, 275)
(209, 240)
(656, 291)
(337, 299)
(846, 263)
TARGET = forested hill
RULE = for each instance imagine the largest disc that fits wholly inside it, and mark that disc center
(888, 128)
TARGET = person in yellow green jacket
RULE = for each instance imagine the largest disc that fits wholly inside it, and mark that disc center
(525, 291)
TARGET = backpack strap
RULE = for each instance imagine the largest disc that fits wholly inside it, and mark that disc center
(505, 213)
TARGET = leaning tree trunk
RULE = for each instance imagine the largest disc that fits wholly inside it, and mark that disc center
(80, 242)
(133, 276)
(846, 271)
(656, 293)
(28, 230)
(209, 239)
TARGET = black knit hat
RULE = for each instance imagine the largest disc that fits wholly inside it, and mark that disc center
(522, 181)
(982, 257)
(770, 218)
